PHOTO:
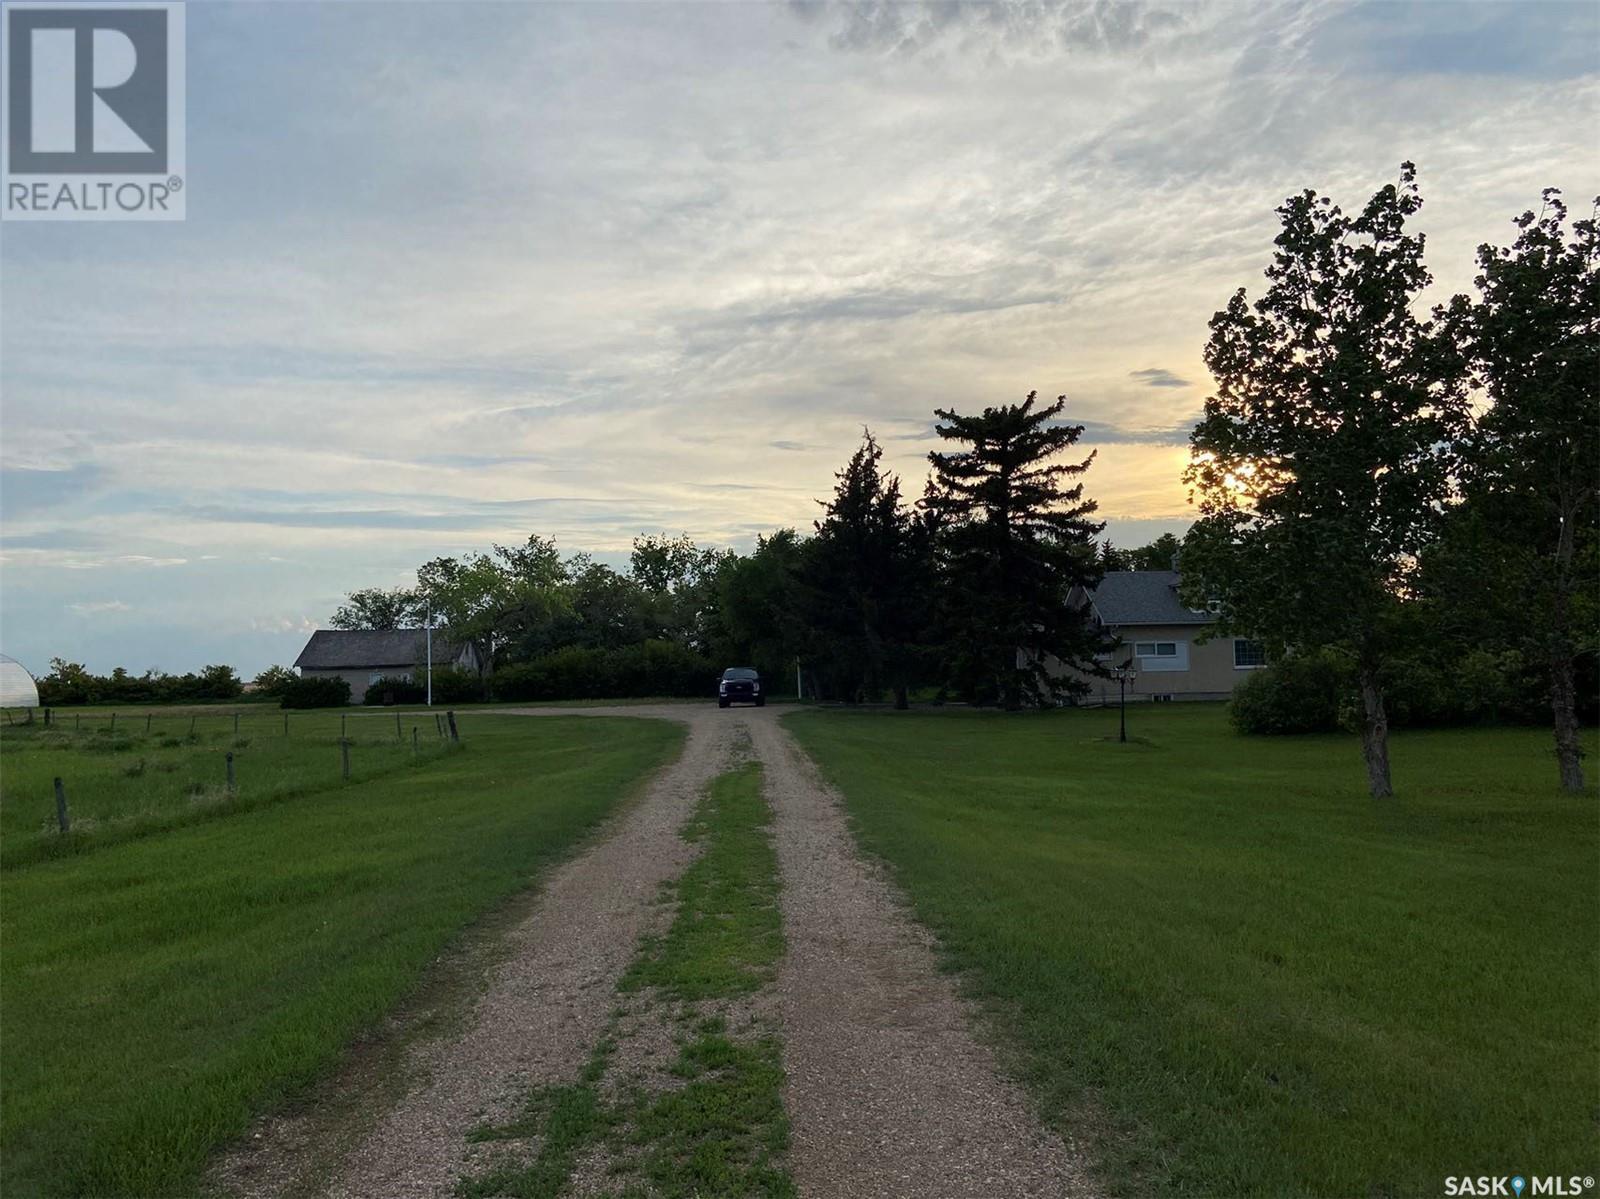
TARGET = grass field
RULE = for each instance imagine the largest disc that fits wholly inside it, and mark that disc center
(159, 992)
(1236, 971)
(156, 768)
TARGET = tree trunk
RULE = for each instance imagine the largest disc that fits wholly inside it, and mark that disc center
(1563, 690)
(1563, 702)
(1375, 735)
(902, 700)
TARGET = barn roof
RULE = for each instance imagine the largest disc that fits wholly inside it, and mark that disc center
(1143, 597)
(358, 649)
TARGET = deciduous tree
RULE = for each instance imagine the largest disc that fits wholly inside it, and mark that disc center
(1322, 460)
(1532, 463)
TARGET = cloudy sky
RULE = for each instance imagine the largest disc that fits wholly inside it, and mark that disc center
(453, 273)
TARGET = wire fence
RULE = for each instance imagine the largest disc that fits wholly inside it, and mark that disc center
(75, 777)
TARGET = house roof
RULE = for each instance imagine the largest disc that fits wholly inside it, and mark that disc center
(355, 649)
(1126, 597)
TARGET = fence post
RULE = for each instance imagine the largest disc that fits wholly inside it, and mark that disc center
(113, 722)
(342, 716)
(286, 724)
(438, 724)
(450, 719)
(232, 784)
(77, 721)
(47, 718)
(413, 740)
(192, 719)
(147, 717)
(398, 735)
(344, 758)
(61, 807)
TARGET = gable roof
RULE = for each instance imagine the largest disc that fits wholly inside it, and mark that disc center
(356, 649)
(1127, 597)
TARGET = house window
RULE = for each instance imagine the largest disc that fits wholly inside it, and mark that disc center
(1247, 655)
(1156, 649)
(377, 676)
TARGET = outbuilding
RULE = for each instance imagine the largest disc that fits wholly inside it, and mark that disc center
(364, 656)
(17, 688)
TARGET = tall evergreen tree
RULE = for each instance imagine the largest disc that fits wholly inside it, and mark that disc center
(868, 578)
(1015, 539)
(1532, 466)
(1321, 462)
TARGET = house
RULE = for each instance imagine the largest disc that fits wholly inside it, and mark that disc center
(1159, 636)
(363, 656)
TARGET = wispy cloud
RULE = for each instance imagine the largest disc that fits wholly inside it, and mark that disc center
(528, 280)
(98, 607)
(1155, 376)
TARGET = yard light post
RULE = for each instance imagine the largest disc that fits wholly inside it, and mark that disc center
(428, 623)
(1125, 675)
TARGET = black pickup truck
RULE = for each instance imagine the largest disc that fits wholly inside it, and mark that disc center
(740, 684)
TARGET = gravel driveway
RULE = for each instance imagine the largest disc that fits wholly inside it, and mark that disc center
(889, 1092)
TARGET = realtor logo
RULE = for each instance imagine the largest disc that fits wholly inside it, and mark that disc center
(93, 112)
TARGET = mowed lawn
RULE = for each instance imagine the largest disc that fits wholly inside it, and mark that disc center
(159, 992)
(1230, 969)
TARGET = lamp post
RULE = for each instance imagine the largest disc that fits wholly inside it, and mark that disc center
(428, 622)
(1125, 675)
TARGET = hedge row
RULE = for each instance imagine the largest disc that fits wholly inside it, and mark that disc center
(649, 668)
(1316, 692)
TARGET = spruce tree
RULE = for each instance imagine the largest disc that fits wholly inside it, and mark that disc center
(1015, 536)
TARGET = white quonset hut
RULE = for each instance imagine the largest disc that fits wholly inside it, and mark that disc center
(17, 688)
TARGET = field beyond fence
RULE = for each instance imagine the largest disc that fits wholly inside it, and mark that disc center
(125, 774)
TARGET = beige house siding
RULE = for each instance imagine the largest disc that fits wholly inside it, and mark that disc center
(1196, 671)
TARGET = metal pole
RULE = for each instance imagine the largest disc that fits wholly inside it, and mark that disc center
(429, 621)
(344, 758)
(1122, 682)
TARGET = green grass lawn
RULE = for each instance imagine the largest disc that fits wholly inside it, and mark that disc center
(1234, 970)
(155, 768)
(159, 992)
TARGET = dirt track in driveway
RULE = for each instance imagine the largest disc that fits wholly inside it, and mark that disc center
(888, 1091)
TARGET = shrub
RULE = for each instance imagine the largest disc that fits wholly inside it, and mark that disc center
(273, 680)
(450, 686)
(633, 671)
(316, 693)
(397, 690)
(456, 686)
(1300, 693)
(1315, 692)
